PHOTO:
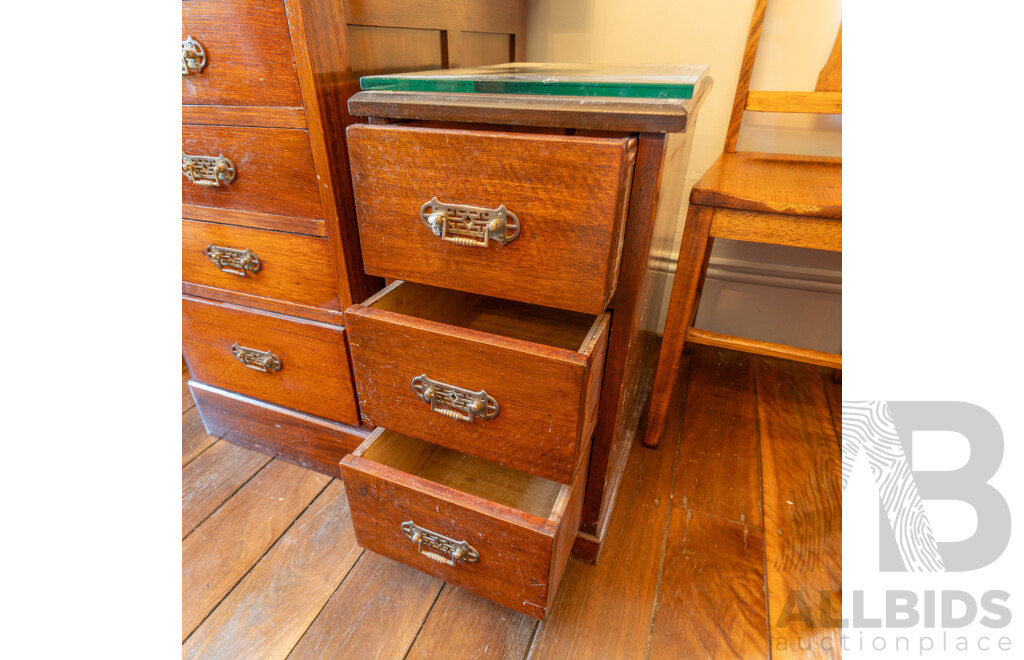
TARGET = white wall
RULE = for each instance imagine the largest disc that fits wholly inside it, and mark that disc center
(778, 294)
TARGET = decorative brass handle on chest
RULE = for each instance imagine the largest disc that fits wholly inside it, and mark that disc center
(207, 170)
(264, 361)
(451, 551)
(454, 402)
(193, 57)
(236, 262)
(469, 225)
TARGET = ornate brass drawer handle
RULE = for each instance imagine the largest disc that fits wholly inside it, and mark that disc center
(469, 225)
(193, 57)
(454, 402)
(264, 361)
(236, 262)
(451, 551)
(207, 170)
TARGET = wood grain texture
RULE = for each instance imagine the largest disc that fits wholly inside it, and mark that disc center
(312, 442)
(248, 54)
(810, 102)
(194, 438)
(571, 214)
(274, 166)
(483, 48)
(496, 631)
(774, 183)
(830, 78)
(314, 377)
(213, 477)
(293, 268)
(819, 358)
(711, 601)
(375, 613)
(739, 101)
(310, 226)
(800, 461)
(681, 309)
(380, 49)
(321, 314)
(719, 465)
(479, 15)
(271, 608)
(231, 541)
(542, 391)
(604, 611)
(776, 229)
(186, 396)
(243, 115)
(834, 394)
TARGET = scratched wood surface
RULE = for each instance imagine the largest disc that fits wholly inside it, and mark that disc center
(707, 576)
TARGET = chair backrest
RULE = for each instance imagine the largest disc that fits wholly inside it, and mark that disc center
(827, 97)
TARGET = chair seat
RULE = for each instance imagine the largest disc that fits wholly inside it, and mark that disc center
(810, 186)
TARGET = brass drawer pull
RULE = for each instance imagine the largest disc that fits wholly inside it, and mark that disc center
(451, 551)
(193, 57)
(469, 225)
(236, 262)
(264, 361)
(207, 170)
(454, 402)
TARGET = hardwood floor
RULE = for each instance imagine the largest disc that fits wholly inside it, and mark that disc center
(721, 539)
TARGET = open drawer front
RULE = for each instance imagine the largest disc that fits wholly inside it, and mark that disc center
(500, 533)
(510, 382)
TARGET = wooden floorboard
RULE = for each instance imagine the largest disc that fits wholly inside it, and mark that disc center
(271, 608)
(271, 568)
(719, 468)
(378, 610)
(223, 549)
(834, 394)
(800, 459)
(186, 394)
(213, 477)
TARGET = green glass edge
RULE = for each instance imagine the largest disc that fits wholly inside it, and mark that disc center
(621, 90)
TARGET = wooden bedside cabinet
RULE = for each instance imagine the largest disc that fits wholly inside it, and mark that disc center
(509, 362)
(270, 252)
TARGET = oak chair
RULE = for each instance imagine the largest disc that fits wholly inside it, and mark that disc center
(779, 199)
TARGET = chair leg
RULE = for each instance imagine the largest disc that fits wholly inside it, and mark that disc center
(689, 267)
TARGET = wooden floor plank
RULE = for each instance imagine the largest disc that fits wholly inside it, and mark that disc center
(270, 609)
(485, 630)
(834, 392)
(800, 460)
(719, 468)
(711, 602)
(186, 394)
(604, 611)
(375, 613)
(224, 547)
(194, 439)
(212, 478)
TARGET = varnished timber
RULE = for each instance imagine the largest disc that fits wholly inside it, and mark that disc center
(321, 314)
(834, 393)
(291, 265)
(310, 226)
(739, 101)
(775, 229)
(497, 632)
(571, 217)
(274, 168)
(830, 78)
(711, 598)
(228, 543)
(194, 439)
(769, 349)
(314, 375)
(312, 442)
(243, 115)
(719, 469)
(248, 54)
(306, 565)
(375, 613)
(186, 396)
(801, 464)
(213, 477)
(813, 102)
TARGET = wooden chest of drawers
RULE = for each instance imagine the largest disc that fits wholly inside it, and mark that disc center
(508, 365)
(270, 250)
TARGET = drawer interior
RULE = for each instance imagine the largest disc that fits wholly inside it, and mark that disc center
(490, 481)
(533, 323)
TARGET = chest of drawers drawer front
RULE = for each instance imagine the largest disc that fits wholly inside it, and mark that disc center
(539, 370)
(244, 54)
(415, 503)
(567, 196)
(302, 365)
(273, 172)
(288, 267)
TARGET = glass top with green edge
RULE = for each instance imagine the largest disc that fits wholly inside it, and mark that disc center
(621, 81)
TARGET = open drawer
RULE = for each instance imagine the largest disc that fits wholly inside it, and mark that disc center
(510, 382)
(497, 532)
